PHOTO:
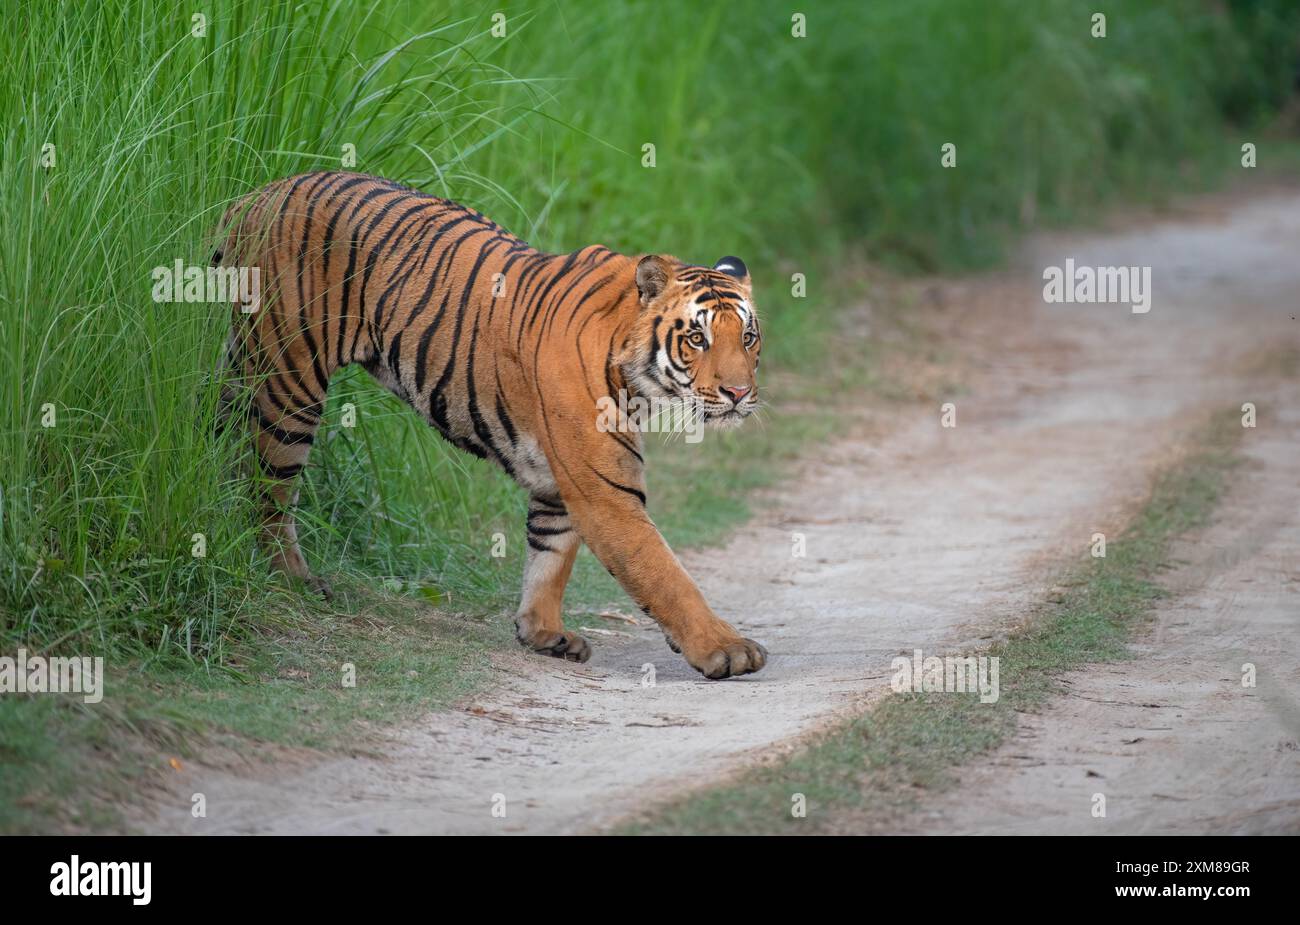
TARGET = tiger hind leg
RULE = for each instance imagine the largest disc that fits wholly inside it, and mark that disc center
(552, 547)
(283, 441)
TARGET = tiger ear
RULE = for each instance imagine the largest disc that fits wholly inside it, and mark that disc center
(652, 275)
(733, 266)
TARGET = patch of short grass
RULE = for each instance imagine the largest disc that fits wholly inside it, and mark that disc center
(882, 762)
(316, 678)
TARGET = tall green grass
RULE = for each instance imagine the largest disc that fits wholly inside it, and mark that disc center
(784, 150)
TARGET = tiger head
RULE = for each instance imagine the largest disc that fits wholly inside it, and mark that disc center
(696, 337)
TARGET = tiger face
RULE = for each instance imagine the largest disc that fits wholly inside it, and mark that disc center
(697, 337)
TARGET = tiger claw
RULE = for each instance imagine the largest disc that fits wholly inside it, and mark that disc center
(568, 646)
(731, 660)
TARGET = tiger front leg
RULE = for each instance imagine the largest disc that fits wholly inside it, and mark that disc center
(616, 527)
(552, 547)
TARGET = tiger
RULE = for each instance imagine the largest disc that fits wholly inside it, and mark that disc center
(506, 351)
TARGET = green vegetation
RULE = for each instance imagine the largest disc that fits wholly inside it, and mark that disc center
(876, 766)
(126, 134)
(284, 685)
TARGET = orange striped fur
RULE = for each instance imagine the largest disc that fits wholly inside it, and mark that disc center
(506, 351)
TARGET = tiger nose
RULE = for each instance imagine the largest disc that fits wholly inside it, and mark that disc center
(734, 392)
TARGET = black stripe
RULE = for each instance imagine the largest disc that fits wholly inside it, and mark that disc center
(634, 492)
(344, 358)
(585, 300)
(426, 341)
(539, 545)
(535, 305)
(548, 531)
(503, 417)
(380, 247)
(286, 437)
(476, 415)
(279, 473)
(437, 401)
(304, 329)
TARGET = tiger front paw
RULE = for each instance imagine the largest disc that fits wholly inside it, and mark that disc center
(557, 644)
(729, 659)
(320, 586)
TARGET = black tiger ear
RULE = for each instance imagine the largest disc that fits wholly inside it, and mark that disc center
(652, 275)
(732, 266)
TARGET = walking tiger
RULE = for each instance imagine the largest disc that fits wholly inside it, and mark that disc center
(506, 351)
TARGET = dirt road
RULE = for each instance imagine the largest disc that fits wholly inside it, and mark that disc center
(925, 537)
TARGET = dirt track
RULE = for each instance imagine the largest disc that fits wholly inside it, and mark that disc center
(927, 538)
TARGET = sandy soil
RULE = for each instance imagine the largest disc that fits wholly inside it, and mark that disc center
(1174, 740)
(926, 537)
